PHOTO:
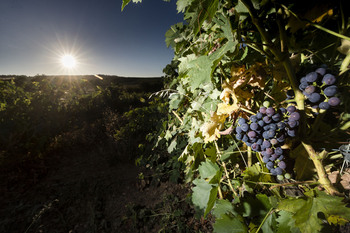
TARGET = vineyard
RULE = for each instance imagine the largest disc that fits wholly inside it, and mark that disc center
(248, 131)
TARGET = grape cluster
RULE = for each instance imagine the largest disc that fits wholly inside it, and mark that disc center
(266, 132)
(320, 89)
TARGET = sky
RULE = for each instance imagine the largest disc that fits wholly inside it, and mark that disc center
(35, 34)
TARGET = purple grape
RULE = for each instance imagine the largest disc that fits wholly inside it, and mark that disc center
(276, 117)
(262, 110)
(273, 157)
(254, 126)
(269, 165)
(278, 151)
(248, 144)
(281, 158)
(266, 144)
(282, 165)
(267, 119)
(270, 111)
(321, 71)
(245, 127)
(255, 147)
(239, 129)
(291, 132)
(241, 121)
(268, 151)
(291, 109)
(295, 116)
(278, 171)
(271, 133)
(261, 123)
(266, 158)
(281, 125)
(239, 136)
(265, 135)
(302, 86)
(314, 97)
(309, 90)
(272, 126)
(253, 118)
(245, 138)
(330, 91)
(281, 137)
(273, 141)
(292, 123)
(259, 141)
(334, 101)
(283, 110)
(259, 115)
(303, 80)
(324, 105)
(329, 79)
(251, 134)
(311, 77)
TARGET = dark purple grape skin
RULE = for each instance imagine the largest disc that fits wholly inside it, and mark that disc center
(271, 133)
(302, 86)
(259, 115)
(262, 110)
(330, 91)
(281, 137)
(268, 151)
(269, 165)
(281, 158)
(314, 97)
(254, 126)
(329, 79)
(278, 171)
(253, 118)
(324, 105)
(261, 123)
(241, 121)
(295, 116)
(303, 80)
(270, 111)
(251, 134)
(267, 119)
(276, 117)
(245, 127)
(266, 144)
(259, 141)
(272, 126)
(334, 101)
(283, 110)
(311, 77)
(239, 129)
(292, 123)
(273, 141)
(266, 158)
(291, 132)
(291, 109)
(239, 136)
(273, 171)
(309, 90)
(321, 71)
(282, 165)
(255, 147)
(273, 157)
(245, 138)
(278, 151)
(281, 125)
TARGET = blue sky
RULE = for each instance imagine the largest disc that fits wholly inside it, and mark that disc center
(36, 33)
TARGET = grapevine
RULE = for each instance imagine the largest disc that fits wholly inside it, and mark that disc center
(261, 98)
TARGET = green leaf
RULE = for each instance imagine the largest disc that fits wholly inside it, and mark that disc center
(229, 224)
(126, 2)
(304, 167)
(182, 4)
(172, 34)
(285, 223)
(204, 195)
(270, 224)
(306, 211)
(254, 173)
(208, 169)
(222, 207)
(172, 145)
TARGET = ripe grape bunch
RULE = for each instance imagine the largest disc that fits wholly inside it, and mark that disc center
(266, 132)
(320, 89)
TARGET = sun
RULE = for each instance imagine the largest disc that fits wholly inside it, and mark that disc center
(68, 61)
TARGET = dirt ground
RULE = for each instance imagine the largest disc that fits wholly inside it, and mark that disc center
(82, 191)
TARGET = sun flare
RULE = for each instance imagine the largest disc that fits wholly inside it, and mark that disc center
(68, 61)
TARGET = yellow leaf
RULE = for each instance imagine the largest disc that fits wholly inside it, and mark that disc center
(336, 220)
(228, 109)
(211, 129)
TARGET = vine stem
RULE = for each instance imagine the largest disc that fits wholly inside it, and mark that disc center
(263, 221)
(321, 172)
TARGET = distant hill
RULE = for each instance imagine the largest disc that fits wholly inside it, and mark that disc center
(131, 83)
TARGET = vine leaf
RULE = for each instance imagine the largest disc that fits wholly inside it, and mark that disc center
(227, 219)
(304, 166)
(285, 223)
(204, 195)
(306, 212)
(208, 169)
